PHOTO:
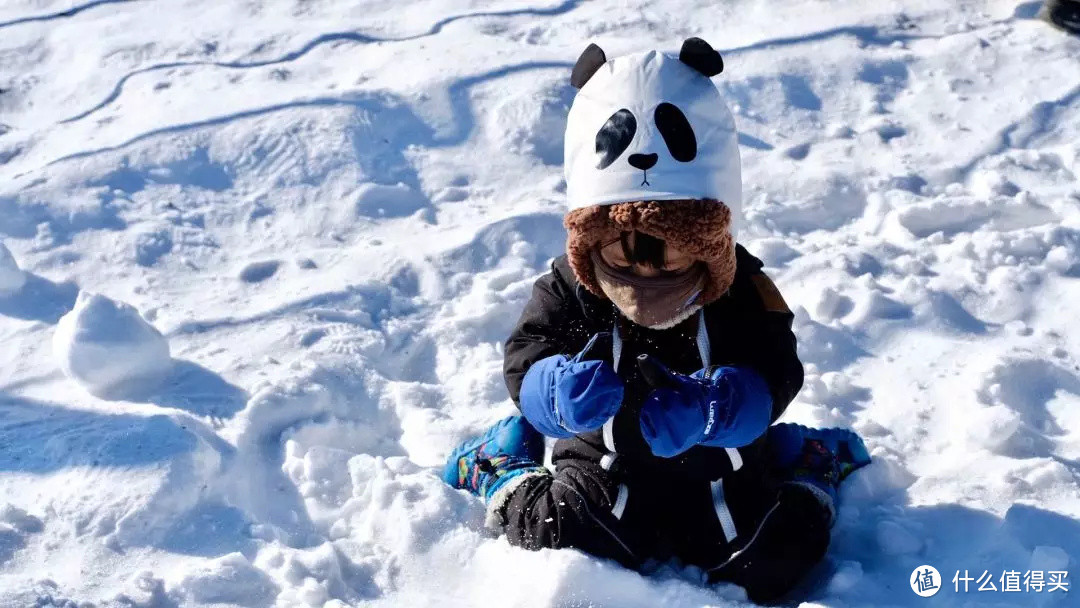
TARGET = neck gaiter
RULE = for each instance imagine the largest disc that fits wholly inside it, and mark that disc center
(653, 302)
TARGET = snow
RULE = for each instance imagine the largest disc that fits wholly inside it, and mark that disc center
(11, 278)
(109, 349)
(332, 212)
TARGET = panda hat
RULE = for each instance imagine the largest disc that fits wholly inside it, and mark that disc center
(651, 146)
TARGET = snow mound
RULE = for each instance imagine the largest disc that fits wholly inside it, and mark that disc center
(381, 200)
(108, 348)
(11, 278)
(230, 579)
(15, 525)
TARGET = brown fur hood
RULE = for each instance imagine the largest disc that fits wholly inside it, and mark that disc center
(701, 228)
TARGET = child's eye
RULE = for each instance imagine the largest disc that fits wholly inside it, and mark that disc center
(671, 270)
(672, 273)
(613, 255)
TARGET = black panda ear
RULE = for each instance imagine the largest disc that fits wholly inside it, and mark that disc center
(697, 54)
(591, 59)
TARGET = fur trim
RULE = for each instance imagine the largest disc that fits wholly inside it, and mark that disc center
(496, 505)
(701, 228)
(684, 315)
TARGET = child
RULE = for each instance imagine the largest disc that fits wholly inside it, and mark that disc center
(657, 353)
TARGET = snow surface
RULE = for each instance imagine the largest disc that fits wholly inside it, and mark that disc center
(109, 349)
(334, 211)
(12, 278)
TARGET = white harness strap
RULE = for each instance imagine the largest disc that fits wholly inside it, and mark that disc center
(616, 345)
(703, 346)
(607, 460)
(620, 501)
(736, 458)
(723, 513)
(609, 434)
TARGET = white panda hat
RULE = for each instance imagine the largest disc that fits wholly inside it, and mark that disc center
(650, 146)
(651, 127)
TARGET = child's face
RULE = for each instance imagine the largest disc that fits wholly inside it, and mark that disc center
(675, 261)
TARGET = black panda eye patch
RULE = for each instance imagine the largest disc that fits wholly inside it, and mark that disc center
(676, 131)
(614, 137)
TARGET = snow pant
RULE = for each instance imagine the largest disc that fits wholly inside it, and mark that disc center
(738, 529)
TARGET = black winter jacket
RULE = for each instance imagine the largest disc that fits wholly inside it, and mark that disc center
(748, 326)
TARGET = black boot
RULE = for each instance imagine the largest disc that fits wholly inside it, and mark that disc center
(791, 539)
(1063, 13)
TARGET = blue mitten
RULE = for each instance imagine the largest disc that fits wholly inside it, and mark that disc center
(564, 397)
(717, 406)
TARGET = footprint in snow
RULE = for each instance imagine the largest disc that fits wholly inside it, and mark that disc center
(388, 201)
(452, 194)
(456, 191)
(888, 132)
(798, 152)
(257, 272)
(312, 336)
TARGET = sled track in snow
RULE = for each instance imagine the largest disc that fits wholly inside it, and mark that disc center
(868, 35)
(71, 12)
(458, 93)
(353, 37)
(1040, 118)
